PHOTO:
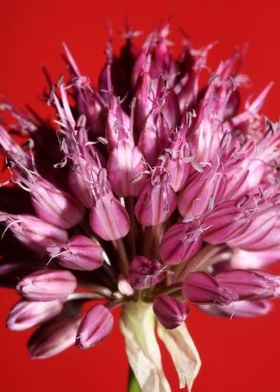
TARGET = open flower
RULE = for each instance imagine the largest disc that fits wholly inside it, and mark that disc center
(149, 193)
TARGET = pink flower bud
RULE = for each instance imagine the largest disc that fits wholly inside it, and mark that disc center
(55, 206)
(250, 284)
(95, 327)
(243, 226)
(156, 201)
(118, 124)
(144, 273)
(88, 101)
(200, 287)
(170, 311)
(180, 243)
(201, 192)
(47, 285)
(79, 253)
(154, 137)
(176, 160)
(27, 314)
(125, 164)
(79, 187)
(53, 338)
(239, 309)
(34, 233)
(12, 149)
(108, 217)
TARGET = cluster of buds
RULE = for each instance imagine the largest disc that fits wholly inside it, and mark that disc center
(149, 193)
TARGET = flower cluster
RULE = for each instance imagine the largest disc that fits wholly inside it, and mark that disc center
(149, 192)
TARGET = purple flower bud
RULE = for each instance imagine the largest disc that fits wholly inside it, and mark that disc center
(180, 243)
(108, 217)
(47, 285)
(170, 311)
(154, 137)
(243, 226)
(80, 178)
(144, 273)
(55, 206)
(118, 124)
(34, 233)
(176, 160)
(239, 309)
(224, 221)
(53, 338)
(156, 201)
(88, 101)
(27, 314)
(201, 287)
(12, 149)
(79, 253)
(95, 326)
(125, 164)
(201, 192)
(250, 284)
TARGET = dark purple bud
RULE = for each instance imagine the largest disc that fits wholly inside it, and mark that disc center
(144, 273)
(250, 284)
(47, 285)
(27, 314)
(201, 287)
(53, 338)
(245, 309)
(95, 326)
(79, 253)
(170, 311)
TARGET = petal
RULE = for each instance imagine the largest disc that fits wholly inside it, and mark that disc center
(137, 326)
(183, 352)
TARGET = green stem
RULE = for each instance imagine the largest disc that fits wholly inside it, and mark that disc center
(133, 385)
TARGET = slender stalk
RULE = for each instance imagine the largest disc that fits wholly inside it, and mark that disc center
(122, 256)
(131, 237)
(152, 235)
(75, 296)
(133, 385)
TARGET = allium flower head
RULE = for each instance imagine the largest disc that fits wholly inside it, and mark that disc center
(147, 192)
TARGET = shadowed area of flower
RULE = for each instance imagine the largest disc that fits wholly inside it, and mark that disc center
(147, 192)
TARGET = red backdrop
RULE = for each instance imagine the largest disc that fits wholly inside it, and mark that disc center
(237, 355)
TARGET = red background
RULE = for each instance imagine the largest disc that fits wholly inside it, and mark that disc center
(237, 355)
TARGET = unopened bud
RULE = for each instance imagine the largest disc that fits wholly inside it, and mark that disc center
(27, 314)
(170, 311)
(95, 326)
(47, 285)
